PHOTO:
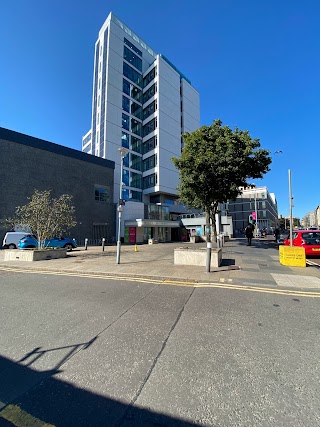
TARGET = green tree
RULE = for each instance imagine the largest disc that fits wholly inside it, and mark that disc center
(46, 217)
(215, 162)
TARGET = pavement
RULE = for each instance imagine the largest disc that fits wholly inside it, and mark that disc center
(250, 266)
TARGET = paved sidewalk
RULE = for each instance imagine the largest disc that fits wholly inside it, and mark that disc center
(256, 265)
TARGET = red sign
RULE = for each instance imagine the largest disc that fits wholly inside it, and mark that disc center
(254, 215)
(132, 234)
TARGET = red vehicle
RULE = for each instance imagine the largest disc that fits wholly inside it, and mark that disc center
(307, 239)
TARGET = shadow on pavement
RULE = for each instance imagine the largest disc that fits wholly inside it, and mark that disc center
(35, 398)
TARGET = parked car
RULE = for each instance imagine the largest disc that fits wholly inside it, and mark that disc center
(11, 239)
(30, 241)
(307, 239)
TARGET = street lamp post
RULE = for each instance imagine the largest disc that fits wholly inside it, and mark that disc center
(123, 152)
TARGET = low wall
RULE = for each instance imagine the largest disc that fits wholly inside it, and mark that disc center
(34, 255)
(187, 256)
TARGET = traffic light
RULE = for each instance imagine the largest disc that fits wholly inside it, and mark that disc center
(250, 219)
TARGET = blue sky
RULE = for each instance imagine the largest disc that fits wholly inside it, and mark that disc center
(255, 64)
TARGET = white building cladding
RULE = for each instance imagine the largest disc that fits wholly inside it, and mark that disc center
(143, 103)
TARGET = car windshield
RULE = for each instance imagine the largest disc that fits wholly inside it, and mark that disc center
(312, 238)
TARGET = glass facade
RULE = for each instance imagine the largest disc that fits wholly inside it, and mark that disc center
(136, 144)
(149, 77)
(132, 46)
(125, 122)
(131, 90)
(161, 213)
(150, 127)
(149, 145)
(132, 74)
(135, 180)
(150, 181)
(150, 109)
(136, 110)
(131, 57)
(149, 93)
(135, 162)
(136, 127)
(125, 104)
(149, 162)
(125, 140)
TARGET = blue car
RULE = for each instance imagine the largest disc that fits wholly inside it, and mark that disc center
(30, 241)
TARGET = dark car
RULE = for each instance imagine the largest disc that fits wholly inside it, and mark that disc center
(30, 241)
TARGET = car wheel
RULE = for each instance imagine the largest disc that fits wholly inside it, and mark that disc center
(68, 246)
(12, 246)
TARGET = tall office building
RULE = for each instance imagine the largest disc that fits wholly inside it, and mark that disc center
(143, 103)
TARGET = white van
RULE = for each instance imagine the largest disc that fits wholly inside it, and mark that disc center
(11, 239)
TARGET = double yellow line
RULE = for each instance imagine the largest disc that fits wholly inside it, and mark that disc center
(221, 285)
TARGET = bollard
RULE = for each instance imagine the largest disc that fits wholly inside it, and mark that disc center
(85, 244)
(103, 240)
(208, 262)
(136, 248)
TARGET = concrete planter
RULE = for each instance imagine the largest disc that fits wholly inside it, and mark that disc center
(34, 255)
(187, 256)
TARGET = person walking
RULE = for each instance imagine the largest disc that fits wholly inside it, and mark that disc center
(277, 234)
(249, 233)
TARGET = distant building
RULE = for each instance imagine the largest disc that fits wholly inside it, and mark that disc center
(253, 201)
(28, 164)
(143, 103)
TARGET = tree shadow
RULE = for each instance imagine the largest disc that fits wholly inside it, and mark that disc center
(35, 398)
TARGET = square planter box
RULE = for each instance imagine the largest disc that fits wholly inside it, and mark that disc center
(34, 255)
(186, 256)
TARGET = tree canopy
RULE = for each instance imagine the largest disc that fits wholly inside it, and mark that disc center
(215, 163)
(46, 217)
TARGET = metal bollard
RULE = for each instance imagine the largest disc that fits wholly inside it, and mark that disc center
(208, 261)
(85, 244)
(103, 240)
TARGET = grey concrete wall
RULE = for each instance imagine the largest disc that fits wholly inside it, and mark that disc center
(24, 169)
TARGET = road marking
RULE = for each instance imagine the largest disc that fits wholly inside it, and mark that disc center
(222, 285)
(20, 418)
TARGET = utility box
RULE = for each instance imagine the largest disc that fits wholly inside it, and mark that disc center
(292, 256)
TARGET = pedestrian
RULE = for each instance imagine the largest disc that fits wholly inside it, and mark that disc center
(249, 233)
(276, 234)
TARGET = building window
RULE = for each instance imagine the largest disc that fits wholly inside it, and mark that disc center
(135, 180)
(135, 162)
(125, 104)
(149, 181)
(132, 74)
(149, 162)
(125, 140)
(131, 57)
(125, 176)
(150, 109)
(150, 127)
(136, 144)
(126, 161)
(136, 110)
(149, 77)
(131, 90)
(132, 46)
(136, 127)
(149, 93)
(101, 193)
(135, 196)
(125, 122)
(149, 145)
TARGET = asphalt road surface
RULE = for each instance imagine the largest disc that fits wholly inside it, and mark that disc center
(93, 352)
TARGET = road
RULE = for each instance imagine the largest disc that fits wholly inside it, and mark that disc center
(92, 352)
